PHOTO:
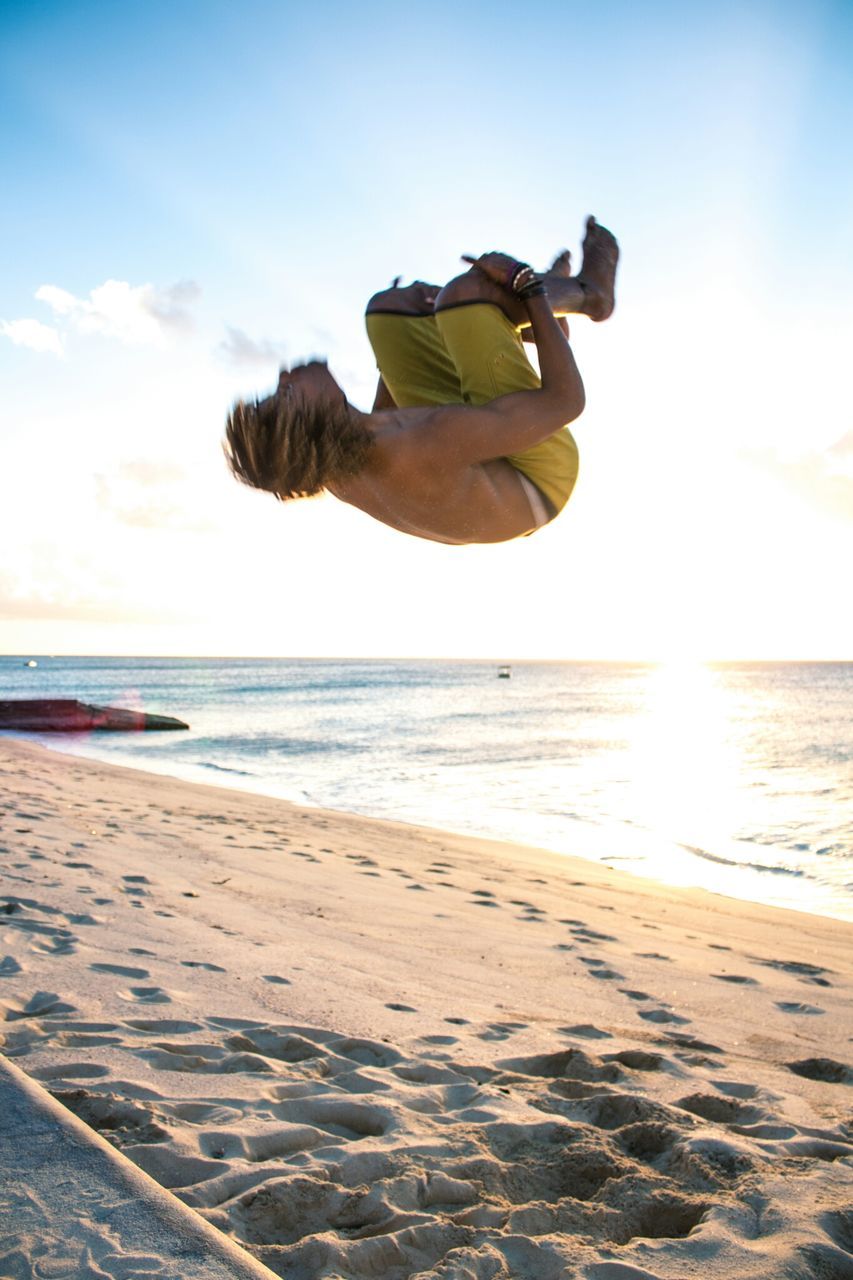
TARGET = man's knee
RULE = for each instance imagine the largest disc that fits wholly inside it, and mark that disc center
(416, 299)
(471, 286)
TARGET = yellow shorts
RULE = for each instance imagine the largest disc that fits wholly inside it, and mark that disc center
(469, 354)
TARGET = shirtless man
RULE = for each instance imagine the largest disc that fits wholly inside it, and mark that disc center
(464, 442)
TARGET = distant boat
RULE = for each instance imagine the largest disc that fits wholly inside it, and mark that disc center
(31, 663)
(504, 673)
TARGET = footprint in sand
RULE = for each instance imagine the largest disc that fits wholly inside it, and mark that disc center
(58, 942)
(84, 1039)
(274, 977)
(44, 1004)
(641, 1060)
(720, 1110)
(163, 1026)
(593, 963)
(121, 1123)
(810, 973)
(825, 1069)
(201, 964)
(686, 1041)
(83, 918)
(796, 1006)
(566, 1064)
(74, 1070)
(736, 1089)
(8, 966)
(586, 1031)
(662, 1015)
(644, 1141)
(591, 935)
(401, 1008)
(123, 971)
(616, 1110)
(145, 995)
(497, 1031)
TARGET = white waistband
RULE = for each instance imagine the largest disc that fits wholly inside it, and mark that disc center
(538, 510)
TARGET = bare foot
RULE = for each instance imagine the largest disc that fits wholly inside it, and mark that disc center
(597, 275)
(562, 267)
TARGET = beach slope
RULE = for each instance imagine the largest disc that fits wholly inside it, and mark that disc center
(367, 1049)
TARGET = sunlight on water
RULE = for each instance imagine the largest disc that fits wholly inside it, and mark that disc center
(732, 777)
(685, 765)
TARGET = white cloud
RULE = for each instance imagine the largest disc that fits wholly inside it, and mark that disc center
(842, 448)
(146, 494)
(33, 334)
(135, 315)
(239, 348)
(824, 479)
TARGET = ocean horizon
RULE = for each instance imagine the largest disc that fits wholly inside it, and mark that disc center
(736, 777)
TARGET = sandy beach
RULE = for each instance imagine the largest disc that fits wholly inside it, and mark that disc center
(362, 1048)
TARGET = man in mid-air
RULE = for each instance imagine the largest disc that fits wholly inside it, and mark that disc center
(464, 442)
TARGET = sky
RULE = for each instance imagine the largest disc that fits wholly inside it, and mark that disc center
(197, 193)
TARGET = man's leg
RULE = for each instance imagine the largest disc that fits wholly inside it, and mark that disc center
(488, 353)
(590, 293)
(414, 365)
(416, 299)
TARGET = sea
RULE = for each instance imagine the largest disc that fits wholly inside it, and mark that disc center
(736, 777)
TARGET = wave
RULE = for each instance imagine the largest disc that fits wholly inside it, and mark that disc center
(272, 744)
(221, 768)
(707, 856)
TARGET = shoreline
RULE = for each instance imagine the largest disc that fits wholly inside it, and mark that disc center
(234, 781)
(361, 1047)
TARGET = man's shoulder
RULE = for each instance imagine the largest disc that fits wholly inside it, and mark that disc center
(408, 431)
(408, 444)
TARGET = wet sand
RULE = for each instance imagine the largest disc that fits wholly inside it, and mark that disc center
(363, 1048)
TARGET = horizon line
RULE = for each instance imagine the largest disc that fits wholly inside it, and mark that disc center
(502, 660)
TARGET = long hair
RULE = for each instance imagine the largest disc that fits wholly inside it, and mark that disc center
(291, 448)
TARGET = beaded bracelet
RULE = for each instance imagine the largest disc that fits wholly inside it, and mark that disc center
(522, 274)
(535, 289)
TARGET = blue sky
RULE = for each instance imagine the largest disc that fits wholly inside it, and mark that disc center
(249, 174)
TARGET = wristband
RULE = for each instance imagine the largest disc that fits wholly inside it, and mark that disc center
(522, 275)
(535, 289)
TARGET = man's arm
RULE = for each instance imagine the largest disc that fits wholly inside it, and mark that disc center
(511, 424)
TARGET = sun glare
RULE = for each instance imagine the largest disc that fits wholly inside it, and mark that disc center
(684, 762)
